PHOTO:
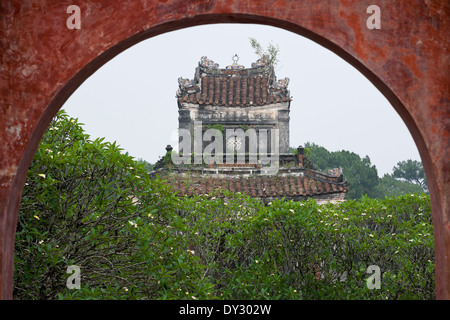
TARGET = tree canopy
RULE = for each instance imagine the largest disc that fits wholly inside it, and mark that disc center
(411, 171)
(407, 177)
(360, 173)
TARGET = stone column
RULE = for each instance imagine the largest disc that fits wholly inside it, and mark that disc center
(300, 156)
(185, 122)
(283, 129)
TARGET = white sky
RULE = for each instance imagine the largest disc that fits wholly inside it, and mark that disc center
(131, 99)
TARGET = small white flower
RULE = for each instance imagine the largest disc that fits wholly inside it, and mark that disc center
(37, 217)
(193, 297)
(138, 177)
(371, 235)
(291, 210)
(41, 242)
(134, 224)
(125, 289)
(41, 175)
(256, 261)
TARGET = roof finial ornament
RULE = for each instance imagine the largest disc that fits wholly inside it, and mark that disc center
(235, 64)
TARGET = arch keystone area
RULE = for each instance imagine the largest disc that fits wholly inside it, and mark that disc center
(45, 57)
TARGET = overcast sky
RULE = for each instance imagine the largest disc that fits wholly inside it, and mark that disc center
(131, 99)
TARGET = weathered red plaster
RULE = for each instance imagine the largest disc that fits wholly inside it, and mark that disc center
(42, 63)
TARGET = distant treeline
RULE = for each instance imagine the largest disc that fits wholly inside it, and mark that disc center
(407, 176)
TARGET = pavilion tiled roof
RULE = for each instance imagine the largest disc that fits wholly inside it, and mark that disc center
(233, 87)
(255, 186)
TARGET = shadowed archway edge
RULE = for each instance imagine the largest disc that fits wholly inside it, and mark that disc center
(11, 198)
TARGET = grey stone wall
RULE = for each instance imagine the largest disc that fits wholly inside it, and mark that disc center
(270, 116)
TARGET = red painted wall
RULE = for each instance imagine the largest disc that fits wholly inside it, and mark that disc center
(43, 62)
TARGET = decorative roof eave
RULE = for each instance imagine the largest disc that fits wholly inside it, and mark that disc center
(255, 186)
(287, 185)
(208, 63)
(194, 100)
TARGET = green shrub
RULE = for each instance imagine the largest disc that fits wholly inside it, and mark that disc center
(86, 203)
(301, 250)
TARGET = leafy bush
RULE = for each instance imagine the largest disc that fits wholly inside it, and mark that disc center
(86, 203)
(294, 250)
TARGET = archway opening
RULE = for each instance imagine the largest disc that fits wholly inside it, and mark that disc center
(306, 116)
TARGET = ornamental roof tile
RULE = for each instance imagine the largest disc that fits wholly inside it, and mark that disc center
(255, 186)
